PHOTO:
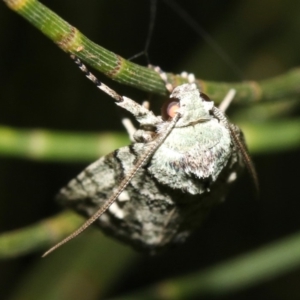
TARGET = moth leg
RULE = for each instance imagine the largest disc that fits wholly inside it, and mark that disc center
(128, 125)
(146, 104)
(144, 134)
(136, 135)
(163, 75)
(141, 114)
(190, 77)
(227, 100)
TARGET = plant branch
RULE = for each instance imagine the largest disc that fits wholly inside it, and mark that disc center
(45, 145)
(239, 273)
(71, 40)
(38, 236)
(48, 232)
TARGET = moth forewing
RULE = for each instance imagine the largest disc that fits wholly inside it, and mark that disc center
(142, 159)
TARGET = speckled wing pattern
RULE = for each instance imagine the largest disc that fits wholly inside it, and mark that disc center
(147, 215)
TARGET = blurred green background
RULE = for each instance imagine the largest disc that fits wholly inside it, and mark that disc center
(41, 88)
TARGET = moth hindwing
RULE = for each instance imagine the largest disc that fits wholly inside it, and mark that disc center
(160, 187)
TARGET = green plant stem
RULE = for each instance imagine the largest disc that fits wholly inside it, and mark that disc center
(61, 275)
(38, 236)
(48, 145)
(70, 40)
(83, 269)
(62, 146)
(273, 136)
(242, 272)
(239, 273)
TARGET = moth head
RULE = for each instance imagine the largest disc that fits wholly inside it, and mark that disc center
(192, 105)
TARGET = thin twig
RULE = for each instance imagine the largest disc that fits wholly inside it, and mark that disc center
(71, 40)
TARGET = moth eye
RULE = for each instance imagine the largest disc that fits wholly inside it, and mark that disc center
(204, 97)
(170, 108)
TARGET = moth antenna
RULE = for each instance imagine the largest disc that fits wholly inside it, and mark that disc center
(241, 147)
(246, 158)
(107, 90)
(144, 158)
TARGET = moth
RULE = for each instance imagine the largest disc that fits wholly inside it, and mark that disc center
(153, 193)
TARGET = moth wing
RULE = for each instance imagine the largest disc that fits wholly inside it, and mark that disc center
(138, 216)
(92, 186)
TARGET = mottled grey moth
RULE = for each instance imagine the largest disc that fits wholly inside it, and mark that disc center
(153, 193)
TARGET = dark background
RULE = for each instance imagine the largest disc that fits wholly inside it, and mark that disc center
(41, 88)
